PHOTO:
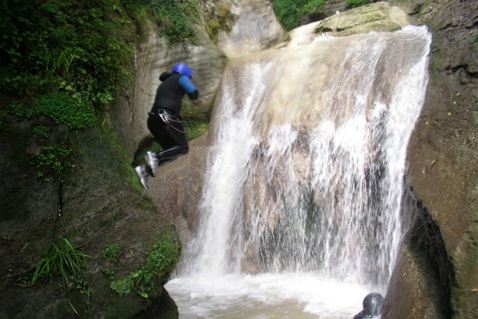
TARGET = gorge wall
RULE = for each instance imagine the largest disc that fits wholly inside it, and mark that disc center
(436, 273)
(442, 175)
(438, 260)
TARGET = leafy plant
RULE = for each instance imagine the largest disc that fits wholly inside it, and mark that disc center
(53, 159)
(112, 252)
(42, 131)
(60, 107)
(60, 259)
(108, 272)
(148, 279)
(173, 18)
(81, 49)
(355, 3)
(290, 12)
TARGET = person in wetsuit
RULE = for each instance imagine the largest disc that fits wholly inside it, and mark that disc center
(165, 122)
(372, 306)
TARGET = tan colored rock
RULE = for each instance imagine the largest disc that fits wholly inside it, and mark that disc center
(154, 56)
(243, 37)
(379, 16)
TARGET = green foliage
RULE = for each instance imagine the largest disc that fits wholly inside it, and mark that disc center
(290, 12)
(222, 20)
(195, 123)
(60, 259)
(79, 48)
(52, 159)
(82, 285)
(108, 273)
(112, 252)
(60, 107)
(42, 131)
(354, 3)
(148, 280)
(173, 18)
(197, 129)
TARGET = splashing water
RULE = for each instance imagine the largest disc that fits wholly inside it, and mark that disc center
(301, 205)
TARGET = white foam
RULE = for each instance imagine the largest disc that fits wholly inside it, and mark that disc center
(303, 294)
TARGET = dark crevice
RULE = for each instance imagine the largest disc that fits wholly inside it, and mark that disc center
(60, 208)
(463, 67)
(428, 251)
(160, 307)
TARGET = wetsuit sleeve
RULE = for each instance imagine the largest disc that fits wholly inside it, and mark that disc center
(188, 87)
(164, 76)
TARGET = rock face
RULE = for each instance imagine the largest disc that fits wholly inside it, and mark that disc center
(377, 17)
(153, 57)
(94, 206)
(443, 175)
(436, 273)
(243, 37)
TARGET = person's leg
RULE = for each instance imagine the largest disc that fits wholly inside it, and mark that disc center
(177, 134)
(170, 154)
(160, 132)
(173, 139)
(158, 129)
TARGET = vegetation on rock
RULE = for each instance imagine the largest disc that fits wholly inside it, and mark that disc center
(62, 64)
(290, 13)
(293, 13)
(65, 60)
(148, 279)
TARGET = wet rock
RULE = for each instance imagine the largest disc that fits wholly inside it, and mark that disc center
(443, 150)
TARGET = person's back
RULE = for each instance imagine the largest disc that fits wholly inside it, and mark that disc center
(170, 93)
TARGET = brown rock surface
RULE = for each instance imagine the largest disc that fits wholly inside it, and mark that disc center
(443, 160)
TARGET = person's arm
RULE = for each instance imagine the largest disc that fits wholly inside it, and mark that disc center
(188, 87)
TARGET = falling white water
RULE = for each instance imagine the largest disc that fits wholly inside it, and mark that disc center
(302, 196)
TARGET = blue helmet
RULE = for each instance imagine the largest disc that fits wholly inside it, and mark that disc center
(182, 69)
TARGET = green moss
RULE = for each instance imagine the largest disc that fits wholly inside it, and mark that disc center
(197, 130)
(61, 107)
(147, 280)
(126, 168)
(196, 123)
(79, 48)
(223, 20)
(112, 252)
(52, 160)
(355, 3)
(173, 18)
(290, 12)
(42, 131)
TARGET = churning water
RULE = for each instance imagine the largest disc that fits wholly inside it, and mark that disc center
(302, 196)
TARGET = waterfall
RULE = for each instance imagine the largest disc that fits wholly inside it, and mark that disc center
(305, 175)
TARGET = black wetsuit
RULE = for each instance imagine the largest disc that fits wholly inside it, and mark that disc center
(164, 121)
